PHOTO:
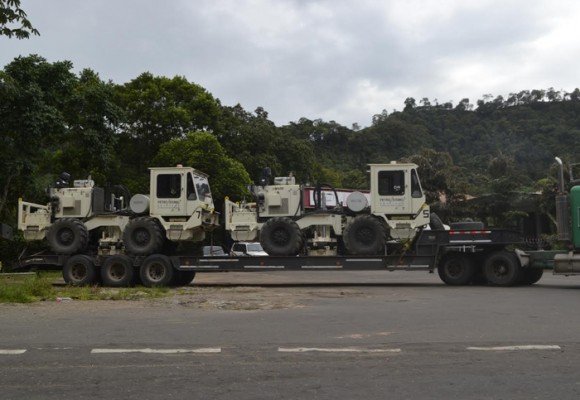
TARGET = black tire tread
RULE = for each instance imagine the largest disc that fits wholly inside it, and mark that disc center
(78, 230)
(152, 228)
(507, 260)
(456, 269)
(281, 236)
(168, 271)
(68, 274)
(109, 280)
(372, 225)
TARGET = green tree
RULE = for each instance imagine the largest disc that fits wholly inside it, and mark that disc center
(157, 110)
(33, 95)
(202, 151)
(14, 21)
(254, 140)
(90, 143)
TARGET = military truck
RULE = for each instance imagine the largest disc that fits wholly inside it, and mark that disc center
(91, 229)
(278, 218)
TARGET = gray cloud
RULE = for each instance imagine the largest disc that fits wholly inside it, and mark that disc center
(336, 60)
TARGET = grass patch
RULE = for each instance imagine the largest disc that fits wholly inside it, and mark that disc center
(39, 287)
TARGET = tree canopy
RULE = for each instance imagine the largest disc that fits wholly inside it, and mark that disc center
(14, 21)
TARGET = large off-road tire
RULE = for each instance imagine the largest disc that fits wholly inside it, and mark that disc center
(117, 271)
(456, 269)
(502, 268)
(364, 235)
(531, 275)
(143, 236)
(156, 271)
(67, 236)
(79, 270)
(280, 236)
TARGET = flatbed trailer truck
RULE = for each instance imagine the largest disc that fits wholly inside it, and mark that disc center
(460, 257)
(396, 231)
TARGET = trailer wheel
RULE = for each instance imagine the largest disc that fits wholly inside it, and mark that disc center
(117, 271)
(531, 275)
(365, 235)
(79, 270)
(143, 236)
(456, 269)
(502, 269)
(156, 271)
(67, 236)
(281, 236)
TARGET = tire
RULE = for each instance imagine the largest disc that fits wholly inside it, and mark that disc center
(467, 226)
(502, 269)
(456, 269)
(435, 222)
(183, 278)
(156, 271)
(143, 236)
(364, 235)
(79, 270)
(117, 271)
(531, 275)
(67, 236)
(281, 236)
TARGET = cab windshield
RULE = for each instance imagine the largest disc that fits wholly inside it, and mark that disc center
(202, 187)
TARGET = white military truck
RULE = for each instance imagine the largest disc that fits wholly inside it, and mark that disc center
(285, 227)
(95, 226)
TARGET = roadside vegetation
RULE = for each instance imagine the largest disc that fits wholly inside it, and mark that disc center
(31, 288)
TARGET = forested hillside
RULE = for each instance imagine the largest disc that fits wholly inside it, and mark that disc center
(53, 119)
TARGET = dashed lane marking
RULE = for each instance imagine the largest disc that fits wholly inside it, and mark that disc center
(516, 348)
(158, 351)
(335, 350)
(12, 351)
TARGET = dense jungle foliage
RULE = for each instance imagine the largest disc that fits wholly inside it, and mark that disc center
(53, 119)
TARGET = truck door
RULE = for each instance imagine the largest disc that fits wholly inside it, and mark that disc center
(170, 194)
(393, 196)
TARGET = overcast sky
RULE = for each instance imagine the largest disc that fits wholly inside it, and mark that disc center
(338, 60)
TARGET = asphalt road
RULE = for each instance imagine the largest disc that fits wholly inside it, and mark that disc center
(301, 335)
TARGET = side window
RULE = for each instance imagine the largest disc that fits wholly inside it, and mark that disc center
(391, 183)
(169, 186)
(238, 247)
(190, 188)
(416, 191)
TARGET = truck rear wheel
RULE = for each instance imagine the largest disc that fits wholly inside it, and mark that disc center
(281, 236)
(67, 236)
(143, 236)
(117, 271)
(364, 235)
(456, 269)
(502, 269)
(156, 271)
(79, 270)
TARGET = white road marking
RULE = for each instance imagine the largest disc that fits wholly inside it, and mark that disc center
(12, 352)
(515, 348)
(335, 350)
(158, 351)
